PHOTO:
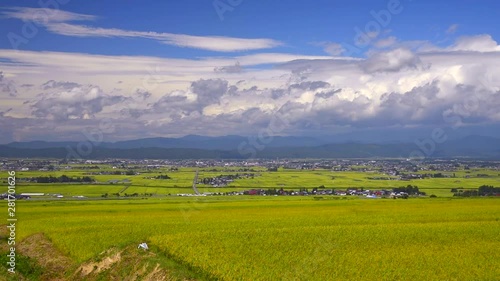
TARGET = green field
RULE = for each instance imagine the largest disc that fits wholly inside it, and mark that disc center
(254, 237)
(181, 181)
(275, 238)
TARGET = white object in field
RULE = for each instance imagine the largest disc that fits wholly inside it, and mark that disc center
(143, 246)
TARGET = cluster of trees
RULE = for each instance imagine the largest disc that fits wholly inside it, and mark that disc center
(95, 167)
(233, 170)
(269, 191)
(466, 193)
(440, 175)
(483, 190)
(410, 189)
(62, 179)
(162, 177)
(488, 190)
(116, 173)
(106, 195)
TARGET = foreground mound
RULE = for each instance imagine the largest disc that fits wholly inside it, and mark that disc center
(38, 259)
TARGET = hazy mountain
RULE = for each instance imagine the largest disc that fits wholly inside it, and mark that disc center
(229, 147)
(189, 141)
(40, 144)
(474, 145)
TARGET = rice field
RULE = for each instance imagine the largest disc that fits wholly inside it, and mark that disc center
(285, 238)
(272, 238)
(182, 179)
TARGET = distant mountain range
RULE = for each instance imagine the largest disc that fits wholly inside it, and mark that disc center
(189, 141)
(238, 147)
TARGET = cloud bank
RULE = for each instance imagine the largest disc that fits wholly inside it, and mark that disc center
(397, 85)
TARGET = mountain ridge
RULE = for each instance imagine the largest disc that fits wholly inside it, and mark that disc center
(237, 147)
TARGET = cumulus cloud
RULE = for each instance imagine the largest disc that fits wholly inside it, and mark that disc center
(136, 68)
(51, 84)
(7, 86)
(386, 42)
(209, 91)
(393, 60)
(474, 104)
(334, 49)
(141, 95)
(236, 68)
(419, 105)
(2, 113)
(177, 103)
(477, 43)
(326, 95)
(310, 85)
(393, 87)
(78, 103)
(200, 95)
(331, 48)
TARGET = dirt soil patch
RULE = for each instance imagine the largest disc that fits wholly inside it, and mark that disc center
(40, 249)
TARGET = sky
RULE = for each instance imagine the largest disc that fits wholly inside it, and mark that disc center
(379, 69)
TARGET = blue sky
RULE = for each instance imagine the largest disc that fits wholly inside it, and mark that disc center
(171, 68)
(295, 23)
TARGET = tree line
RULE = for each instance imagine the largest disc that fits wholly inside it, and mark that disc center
(483, 190)
(61, 179)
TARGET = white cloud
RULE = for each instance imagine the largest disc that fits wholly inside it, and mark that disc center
(56, 21)
(81, 102)
(386, 42)
(211, 43)
(334, 49)
(452, 29)
(152, 74)
(7, 86)
(478, 43)
(393, 60)
(236, 68)
(389, 88)
(44, 15)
